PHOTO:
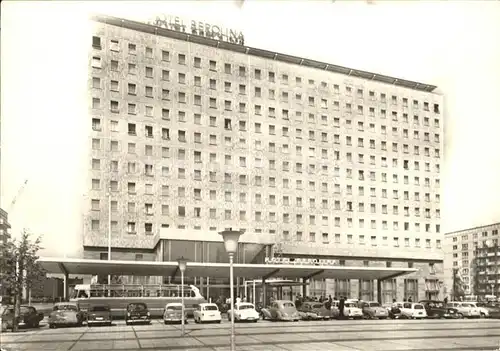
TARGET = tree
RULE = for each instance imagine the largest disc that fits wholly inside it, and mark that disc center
(458, 289)
(19, 268)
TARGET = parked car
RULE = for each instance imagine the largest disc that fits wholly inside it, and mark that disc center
(99, 314)
(488, 310)
(413, 310)
(438, 309)
(465, 309)
(351, 310)
(173, 313)
(244, 311)
(334, 310)
(393, 309)
(29, 317)
(282, 310)
(64, 314)
(137, 312)
(311, 310)
(207, 312)
(372, 309)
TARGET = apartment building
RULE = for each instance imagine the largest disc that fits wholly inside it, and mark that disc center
(474, 255)
(190, 135)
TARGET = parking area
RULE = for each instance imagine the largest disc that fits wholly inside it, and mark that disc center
(336, 335)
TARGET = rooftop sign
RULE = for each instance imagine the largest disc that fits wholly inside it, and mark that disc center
(199, 28)
(300, 261)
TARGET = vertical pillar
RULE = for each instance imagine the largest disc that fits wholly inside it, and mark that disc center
(65, 291)
(264, 293)
(304, 287)
(238, 287)
(379, 291)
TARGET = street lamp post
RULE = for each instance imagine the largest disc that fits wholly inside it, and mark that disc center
(182, 267)
(231, 238)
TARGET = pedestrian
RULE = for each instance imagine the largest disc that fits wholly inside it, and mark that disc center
(410, 300)
(341, 307)
(446, 300)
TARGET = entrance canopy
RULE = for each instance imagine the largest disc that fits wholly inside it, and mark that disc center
(216, 270)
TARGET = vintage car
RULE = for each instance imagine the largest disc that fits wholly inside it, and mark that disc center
(99, 314)
(394, 310)
(438, 309)
(243, 311)
(65, 314)
(281, 310)
(413, 310)
(137, 312)
(28, 317)
(207, 312)
(372, 309)
(488, 310)
(465, 309)
(351, 310)
(312, 310)
(173, 313)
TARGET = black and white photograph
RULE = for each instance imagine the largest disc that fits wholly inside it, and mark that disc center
(250, 175)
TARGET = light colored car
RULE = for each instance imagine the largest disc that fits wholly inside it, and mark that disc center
(413, 310)
(310, 310)
(173, 313)
(373, 309)
(244, 311)
(483, 311)
(281, 310)
(65, 313)
(490, 310)
(465, 309)
(207, 312)
(351, 310)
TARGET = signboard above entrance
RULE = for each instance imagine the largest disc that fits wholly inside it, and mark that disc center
(300, 261)
(199, 28)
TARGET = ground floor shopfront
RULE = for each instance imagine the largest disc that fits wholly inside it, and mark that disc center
(425, 283)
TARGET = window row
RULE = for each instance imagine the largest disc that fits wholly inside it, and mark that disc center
(148, 131)
(287, 236)
(272, 201)
(258, 73)
(484, 234)
(134, 108)
(272, 147)
(165, 93)
(258, 180)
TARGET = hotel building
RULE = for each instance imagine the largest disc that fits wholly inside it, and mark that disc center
(473, 257)
(189, 135)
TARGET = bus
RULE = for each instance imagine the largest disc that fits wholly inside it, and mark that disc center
(118, 296)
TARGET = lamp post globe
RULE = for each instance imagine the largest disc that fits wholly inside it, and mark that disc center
(231, 238)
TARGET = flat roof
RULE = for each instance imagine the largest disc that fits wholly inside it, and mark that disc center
(197, 39)
(473, 229)
(74, 266)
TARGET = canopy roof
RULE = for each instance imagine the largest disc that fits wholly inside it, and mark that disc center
(216, 270)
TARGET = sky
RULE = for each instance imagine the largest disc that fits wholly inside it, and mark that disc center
(451, 44)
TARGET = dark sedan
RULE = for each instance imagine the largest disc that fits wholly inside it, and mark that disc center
(28, 317)
(438, 309)
(137, 312)
(99, 314)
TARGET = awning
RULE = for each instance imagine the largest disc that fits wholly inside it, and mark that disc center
(216, 270)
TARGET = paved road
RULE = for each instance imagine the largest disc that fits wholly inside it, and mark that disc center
(369, 335)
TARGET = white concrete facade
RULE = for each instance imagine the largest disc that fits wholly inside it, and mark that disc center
(196, 139)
